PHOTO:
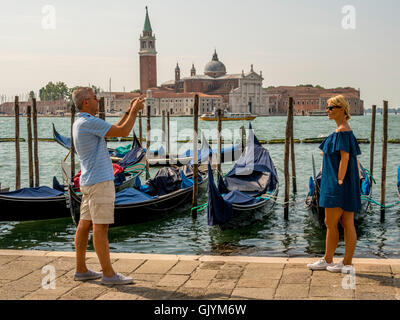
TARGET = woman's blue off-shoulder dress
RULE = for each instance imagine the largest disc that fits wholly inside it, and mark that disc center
(332, 195)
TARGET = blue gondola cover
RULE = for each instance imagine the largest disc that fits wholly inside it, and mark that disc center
(37, 193)
(219, 211)
(398, 176)
(131, 196)
(311, 187)
(134, 156)
(237, 197)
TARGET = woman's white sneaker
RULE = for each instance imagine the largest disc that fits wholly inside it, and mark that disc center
(340, 267)
(336, 268)
(320, 265)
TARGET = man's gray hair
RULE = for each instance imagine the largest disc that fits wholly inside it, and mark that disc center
(79, 95)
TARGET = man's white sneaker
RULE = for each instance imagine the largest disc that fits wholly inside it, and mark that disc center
(340, 267)
(320, 265)
(116, 279)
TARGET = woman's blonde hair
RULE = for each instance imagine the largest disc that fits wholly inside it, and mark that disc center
(341, 101)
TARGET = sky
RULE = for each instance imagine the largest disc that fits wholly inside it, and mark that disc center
(291, 41)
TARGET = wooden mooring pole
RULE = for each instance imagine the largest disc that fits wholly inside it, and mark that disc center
(219, 146)
(102, 113)
(35, 142)
(195, 155)
(168, 137)
(384, 158)
(17, 150)
(163, 127)
(292, 156)
(372, 144)
(140, 128)
(286, 162)
(148, 114)
(30, 155)
(243, 134)
(72, 150)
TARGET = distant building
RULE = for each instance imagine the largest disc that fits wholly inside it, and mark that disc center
(58, 107)
(309, 99)
(116, 102)
(181, 103)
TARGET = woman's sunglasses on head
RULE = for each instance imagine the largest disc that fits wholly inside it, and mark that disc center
(330, 108)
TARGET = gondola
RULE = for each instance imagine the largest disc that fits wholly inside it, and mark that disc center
(153, 200)
(248, 192)
(48, 203)
(33, 204)
(318, 213)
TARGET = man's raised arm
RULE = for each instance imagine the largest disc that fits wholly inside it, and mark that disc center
(124, 127)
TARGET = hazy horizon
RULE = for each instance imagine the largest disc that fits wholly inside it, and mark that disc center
(291, 42)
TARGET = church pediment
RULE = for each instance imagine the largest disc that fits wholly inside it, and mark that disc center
(252, 76)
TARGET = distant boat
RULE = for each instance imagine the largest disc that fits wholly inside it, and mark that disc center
(317, 113)
(228, 116)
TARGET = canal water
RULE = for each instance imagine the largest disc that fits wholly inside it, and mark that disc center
(179, 233)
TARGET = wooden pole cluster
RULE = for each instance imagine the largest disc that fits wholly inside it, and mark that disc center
(72, 150)
(219, 158)
(384, 158)
(102, 113)
(288, 139)
(35, 142)
(30, 155)
(372, 145)
(17, 150)
(195, 155)
(148, 111)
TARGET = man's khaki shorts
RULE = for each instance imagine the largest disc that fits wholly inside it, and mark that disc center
(98, 203)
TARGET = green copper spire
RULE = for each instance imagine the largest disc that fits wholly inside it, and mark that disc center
(147, 25)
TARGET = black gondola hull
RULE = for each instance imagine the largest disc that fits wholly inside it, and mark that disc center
(244, 215)
(26, 209)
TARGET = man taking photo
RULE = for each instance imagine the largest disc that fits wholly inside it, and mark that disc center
(97, 182)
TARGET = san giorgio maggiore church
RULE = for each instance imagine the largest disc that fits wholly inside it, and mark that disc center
(237, 93)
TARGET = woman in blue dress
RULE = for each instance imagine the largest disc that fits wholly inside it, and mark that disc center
(340, 187)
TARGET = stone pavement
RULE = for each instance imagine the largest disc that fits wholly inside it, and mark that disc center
(182, 277)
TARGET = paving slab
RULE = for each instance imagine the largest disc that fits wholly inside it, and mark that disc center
(203, 274)
(253, 293)
(127, 265)
(298, 291)
(172, 280)
(184, 267)
(156, 266)
(331, 291)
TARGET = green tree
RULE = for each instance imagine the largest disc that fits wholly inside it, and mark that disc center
(31, 95)
(54, 91)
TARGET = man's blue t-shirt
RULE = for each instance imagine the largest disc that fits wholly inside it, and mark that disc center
(88, 133)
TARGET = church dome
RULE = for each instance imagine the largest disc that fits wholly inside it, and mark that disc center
(215, 68)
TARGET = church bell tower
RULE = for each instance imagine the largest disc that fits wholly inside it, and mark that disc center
(148, 57)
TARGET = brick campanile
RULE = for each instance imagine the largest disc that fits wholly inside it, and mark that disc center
(148, 57)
